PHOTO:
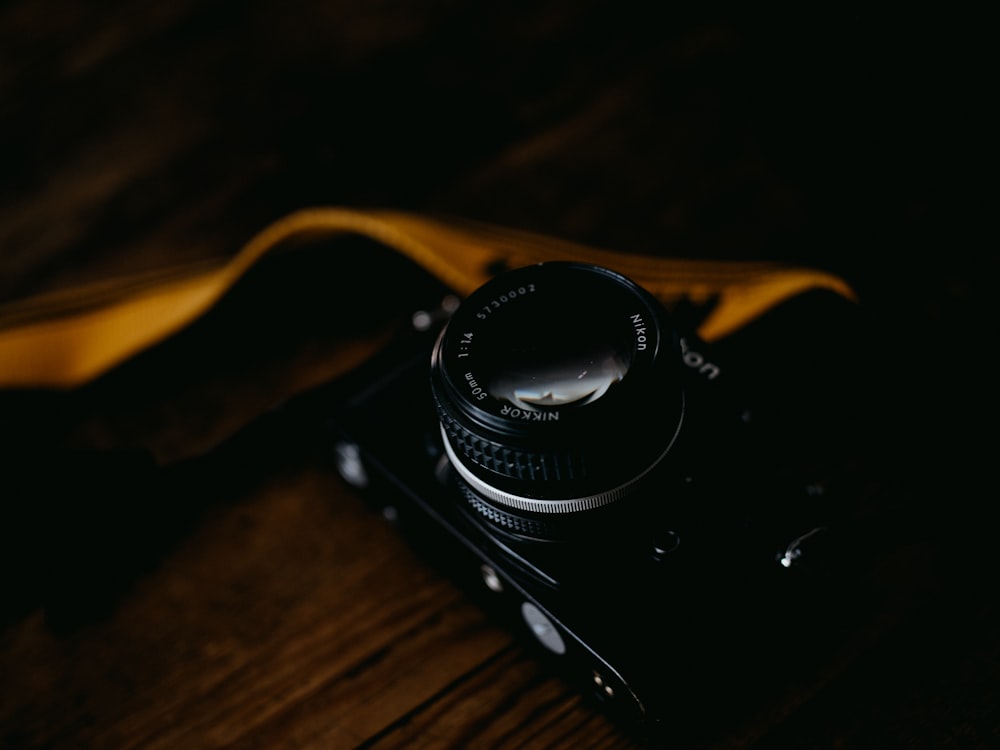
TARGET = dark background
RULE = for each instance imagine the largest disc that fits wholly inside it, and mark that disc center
(136, 136)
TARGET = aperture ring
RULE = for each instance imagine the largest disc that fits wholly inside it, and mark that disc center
(512, 523)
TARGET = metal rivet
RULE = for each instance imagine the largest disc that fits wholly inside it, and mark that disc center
(349, 464)
(491, 578)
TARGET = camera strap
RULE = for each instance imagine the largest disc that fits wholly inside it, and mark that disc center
(70, 337)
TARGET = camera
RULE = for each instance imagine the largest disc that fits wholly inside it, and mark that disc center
(667, 521)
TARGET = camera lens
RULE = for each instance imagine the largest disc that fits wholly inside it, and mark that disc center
(558, 389)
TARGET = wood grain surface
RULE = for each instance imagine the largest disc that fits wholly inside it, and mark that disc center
(266, 605)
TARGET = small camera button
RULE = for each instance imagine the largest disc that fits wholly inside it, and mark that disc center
(543, 628)
(666, 543)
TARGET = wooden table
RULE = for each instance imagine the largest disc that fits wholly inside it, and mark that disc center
(267, 606)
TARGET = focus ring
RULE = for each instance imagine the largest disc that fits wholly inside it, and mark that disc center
(510, 462)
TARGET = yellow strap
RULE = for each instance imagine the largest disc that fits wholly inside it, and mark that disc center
(66, 339)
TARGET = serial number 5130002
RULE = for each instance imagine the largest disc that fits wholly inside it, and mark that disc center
(498, 302)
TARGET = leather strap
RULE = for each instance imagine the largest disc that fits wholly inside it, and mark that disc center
(68, 338)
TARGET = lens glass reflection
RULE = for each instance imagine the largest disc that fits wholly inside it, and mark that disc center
(559, 379)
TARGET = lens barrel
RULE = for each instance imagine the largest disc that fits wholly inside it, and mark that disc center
(558, 389)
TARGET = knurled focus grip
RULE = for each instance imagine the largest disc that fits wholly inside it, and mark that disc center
(510, 462)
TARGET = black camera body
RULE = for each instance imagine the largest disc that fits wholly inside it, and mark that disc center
(666, 521)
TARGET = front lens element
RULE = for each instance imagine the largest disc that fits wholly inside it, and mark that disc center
(558, 379)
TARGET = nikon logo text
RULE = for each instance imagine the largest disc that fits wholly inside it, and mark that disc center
(640, 332)
(696, 361)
